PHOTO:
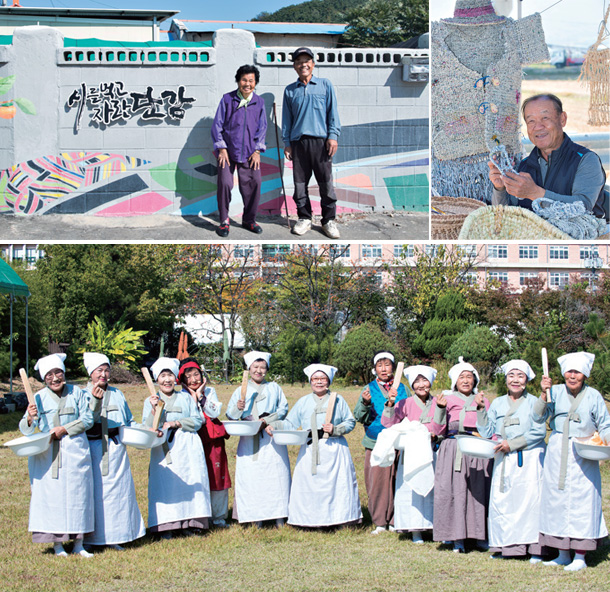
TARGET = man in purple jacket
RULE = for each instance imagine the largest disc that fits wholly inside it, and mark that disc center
(238, 133)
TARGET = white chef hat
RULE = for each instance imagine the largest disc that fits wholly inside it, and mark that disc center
(48, 363)
(313, 368)
(519, 365)
(579, 361)
(461, 366)
(384, 355)
(93, 360)
(252, 356)
(412, 372)
(171, 364)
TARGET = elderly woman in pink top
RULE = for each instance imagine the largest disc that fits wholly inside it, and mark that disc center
(412, 511)
(461, 483)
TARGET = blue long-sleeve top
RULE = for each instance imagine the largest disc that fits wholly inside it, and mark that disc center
(179, 407)
(592, 412)
(523, 433)
(269, 398)
(310, 110)
(118, 412)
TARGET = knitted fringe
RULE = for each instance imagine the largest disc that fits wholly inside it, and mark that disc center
(571, 218)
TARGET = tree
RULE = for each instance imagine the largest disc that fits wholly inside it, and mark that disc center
(314, 11)
(416, 288)
(382, 23)
(217, 280)
(354, 355)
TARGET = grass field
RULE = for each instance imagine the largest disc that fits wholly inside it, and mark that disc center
(246, 558)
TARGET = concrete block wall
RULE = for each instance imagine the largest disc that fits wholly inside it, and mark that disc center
(134, 166)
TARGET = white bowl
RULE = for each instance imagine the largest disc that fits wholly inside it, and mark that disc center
(242, 428)
(30, 445)
(475, 446)
(139, 437)
(592, 451)
(290, 437)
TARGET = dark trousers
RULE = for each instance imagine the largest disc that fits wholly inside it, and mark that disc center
(249, 186)
(309, 155)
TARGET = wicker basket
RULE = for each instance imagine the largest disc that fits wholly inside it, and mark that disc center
(448, 215)
(509, 223)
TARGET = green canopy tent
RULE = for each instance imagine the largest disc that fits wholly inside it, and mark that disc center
(12, 285)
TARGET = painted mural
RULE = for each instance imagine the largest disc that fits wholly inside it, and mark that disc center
(103, 184)
(8, 108)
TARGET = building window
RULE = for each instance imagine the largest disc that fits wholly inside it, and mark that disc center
(497, 252)
(467, 251)
(498, 276)
(275, 252)
(589, 252)
(528, 252)
(403, 251)
(340, 251)
(243, 251)
(431, 250)
(526, 276)
(371, 251)
(378, 279)
(557, 252)
(559, 279)
(470, 277)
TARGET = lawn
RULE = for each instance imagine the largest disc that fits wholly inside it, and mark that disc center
(246, 558)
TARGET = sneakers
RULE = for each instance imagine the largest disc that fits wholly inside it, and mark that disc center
(252, 227)
(458, 546)
(330, 229)
(302, 226)
(576, 565)
(223, 230)
(417, 537)
(378, 530)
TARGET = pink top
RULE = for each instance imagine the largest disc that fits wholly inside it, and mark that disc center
(412, 411)
(455, 404)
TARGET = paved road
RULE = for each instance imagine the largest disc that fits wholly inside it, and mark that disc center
(395, 226)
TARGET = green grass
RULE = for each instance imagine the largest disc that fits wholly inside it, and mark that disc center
(245, 558)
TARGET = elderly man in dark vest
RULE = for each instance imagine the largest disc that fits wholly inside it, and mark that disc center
(556, 169)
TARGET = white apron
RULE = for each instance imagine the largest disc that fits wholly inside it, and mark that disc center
(331, 495)
(63, 505)
(117, 516)
(514, 514)
(180, 490)
(411, 510)
(575, 512)
(262, 486)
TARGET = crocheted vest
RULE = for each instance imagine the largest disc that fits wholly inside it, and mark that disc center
(560, 177)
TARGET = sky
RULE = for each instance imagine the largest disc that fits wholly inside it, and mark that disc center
(229, 10)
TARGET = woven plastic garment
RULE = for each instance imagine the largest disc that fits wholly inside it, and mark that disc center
(571, 218)
(508, 223)
(595, 73)
(475, 97)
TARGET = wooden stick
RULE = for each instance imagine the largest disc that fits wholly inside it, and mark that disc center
(244, 384)
(27, 386)
(545, 371)
(158, 410)
(329, 411)
(149, 381)
(398, 374)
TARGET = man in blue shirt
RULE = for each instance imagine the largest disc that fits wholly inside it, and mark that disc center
(310, 130)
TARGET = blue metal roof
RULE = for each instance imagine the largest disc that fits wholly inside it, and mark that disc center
(254, 27)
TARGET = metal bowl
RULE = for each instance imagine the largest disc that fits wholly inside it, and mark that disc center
(30, 445)
(592, 451)
(474, 446)
(242, 428)
(139, 437)
(290, 437)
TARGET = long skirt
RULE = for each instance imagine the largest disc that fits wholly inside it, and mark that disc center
(571, 518)
(178, 492)
(514, 513)
(461, 497)
(62, 508)
(412, 511)
(262, 482)
(117, 516)
(330, 497)
(380, 483)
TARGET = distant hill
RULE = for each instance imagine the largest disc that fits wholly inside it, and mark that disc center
(313, 11)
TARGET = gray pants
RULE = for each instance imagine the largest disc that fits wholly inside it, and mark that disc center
(309, 155)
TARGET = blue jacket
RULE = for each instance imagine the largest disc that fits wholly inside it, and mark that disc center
(240, 131)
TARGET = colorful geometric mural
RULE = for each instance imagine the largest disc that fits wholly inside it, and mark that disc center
(41, 183)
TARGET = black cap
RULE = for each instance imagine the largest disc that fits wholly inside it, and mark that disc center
(302, 51)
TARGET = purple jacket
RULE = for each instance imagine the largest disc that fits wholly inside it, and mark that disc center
(240, 131)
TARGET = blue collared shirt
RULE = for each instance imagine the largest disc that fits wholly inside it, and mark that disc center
(310, 110)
